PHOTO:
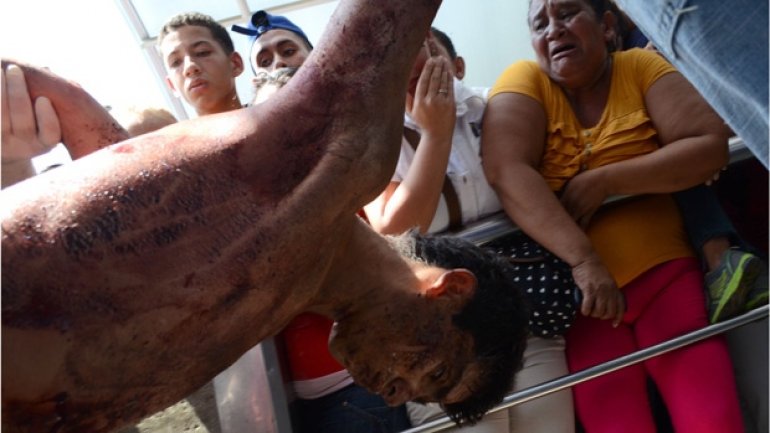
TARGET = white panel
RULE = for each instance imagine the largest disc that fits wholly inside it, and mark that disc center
(155, 13)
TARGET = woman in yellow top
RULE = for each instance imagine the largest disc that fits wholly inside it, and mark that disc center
(587, 123)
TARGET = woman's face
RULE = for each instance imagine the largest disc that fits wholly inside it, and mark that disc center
(569, 41)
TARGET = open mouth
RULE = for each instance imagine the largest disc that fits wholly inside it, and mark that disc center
(561, 51)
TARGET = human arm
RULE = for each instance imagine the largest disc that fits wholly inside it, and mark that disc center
(134, 275)
(413, 201)
(513, 141)
(27, 130)
(693, 147)
(86, 126)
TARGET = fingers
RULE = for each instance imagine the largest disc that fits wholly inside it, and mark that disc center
(21, 116)
(49, 129)
(585, 220)
(434, 79)
(621, 310)
(587, 307)
(430, 45)
(5, 107)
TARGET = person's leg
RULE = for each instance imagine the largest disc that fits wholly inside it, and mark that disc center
(732, 274)
(544, 360)
(721, 48)
(696, 381)
(616, 401)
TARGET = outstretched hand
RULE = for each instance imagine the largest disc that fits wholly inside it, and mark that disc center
(28, 130)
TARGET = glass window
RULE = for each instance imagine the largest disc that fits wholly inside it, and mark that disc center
(154, 13)
(255, 5)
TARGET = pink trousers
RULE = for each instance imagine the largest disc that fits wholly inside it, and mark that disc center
(696, 381)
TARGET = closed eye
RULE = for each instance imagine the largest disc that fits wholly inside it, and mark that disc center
(438, 373)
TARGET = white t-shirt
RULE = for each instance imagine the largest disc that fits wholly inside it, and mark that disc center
(477, 199)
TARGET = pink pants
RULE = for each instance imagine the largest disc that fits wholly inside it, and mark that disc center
(696, 381)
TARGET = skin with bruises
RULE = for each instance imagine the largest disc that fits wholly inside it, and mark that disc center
(135, 274)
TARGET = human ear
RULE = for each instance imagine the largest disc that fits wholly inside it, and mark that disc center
(611, 34)
(459, 67)
(237, 62)
(455, 283)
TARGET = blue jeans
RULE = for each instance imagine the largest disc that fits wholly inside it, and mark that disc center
(721, 47)
(704, 218)
(350, 410)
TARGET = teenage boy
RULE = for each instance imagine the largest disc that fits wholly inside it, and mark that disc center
(133, 276)
(201, 62)
(276, 42)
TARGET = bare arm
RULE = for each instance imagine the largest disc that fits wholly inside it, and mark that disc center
(86, 126)
(28, 129)
(413, 201)
(133, 275)
(693, 142)
(513, 140)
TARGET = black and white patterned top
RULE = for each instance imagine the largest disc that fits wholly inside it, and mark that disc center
(545, 280)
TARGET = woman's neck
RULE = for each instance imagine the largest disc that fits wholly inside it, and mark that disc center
(589, 100)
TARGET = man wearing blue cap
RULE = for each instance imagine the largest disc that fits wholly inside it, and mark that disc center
(276, 42)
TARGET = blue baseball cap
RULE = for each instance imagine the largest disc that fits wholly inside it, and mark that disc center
(262, 22)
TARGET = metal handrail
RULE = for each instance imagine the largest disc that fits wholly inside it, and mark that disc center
(570, 380)
(498, 225)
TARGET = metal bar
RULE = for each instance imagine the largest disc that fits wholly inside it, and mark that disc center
(494, 226)
(570, 380)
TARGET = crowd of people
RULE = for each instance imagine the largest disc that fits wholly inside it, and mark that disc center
(593, 117)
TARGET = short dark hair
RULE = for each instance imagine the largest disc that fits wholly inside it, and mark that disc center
(497, 316)
(218, 32)
(445, 41)
(599, 7)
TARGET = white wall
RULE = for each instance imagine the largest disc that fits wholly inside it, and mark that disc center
(489, 34)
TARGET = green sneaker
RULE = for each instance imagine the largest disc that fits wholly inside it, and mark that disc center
(729, 284)
(758, 294)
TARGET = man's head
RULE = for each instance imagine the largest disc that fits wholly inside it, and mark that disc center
(276, 42)
(459, 341)
(138, 121)
(201, 62)
(437, 43)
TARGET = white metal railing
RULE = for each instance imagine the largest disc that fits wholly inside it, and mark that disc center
(570, 380)
(482, 232)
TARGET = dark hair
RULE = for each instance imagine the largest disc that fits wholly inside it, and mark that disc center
(497, 317)
(278, 78)
(599, 7)
(445, 41)
(218, 32)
